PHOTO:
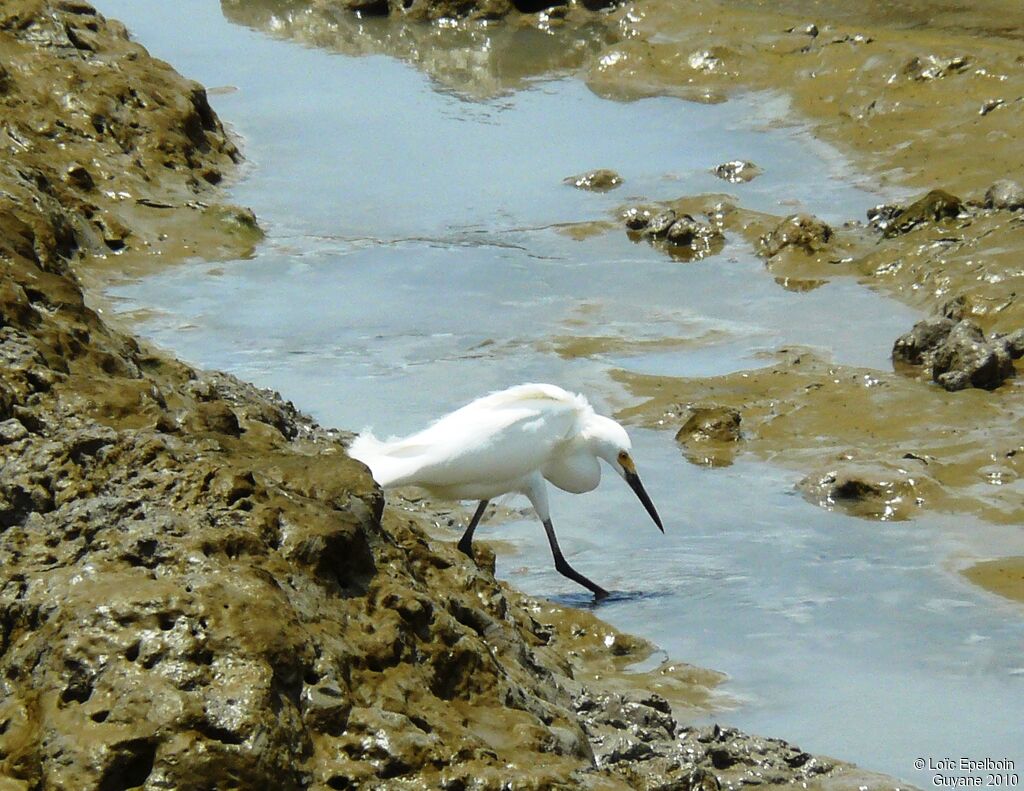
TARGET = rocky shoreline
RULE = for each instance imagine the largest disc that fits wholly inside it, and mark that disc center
(188, 601)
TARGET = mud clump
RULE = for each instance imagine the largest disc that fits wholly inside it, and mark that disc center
(1005, 194)
(956, 355)
(934, 207)
(914, 346)
(636, 218)
(601, 180)
(966, 359)
(737, 171)
(679, 234)
(881, 491)
(932, 67)
(798, 232)
(710, 435)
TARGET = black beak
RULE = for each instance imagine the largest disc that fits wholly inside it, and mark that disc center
(634, 483)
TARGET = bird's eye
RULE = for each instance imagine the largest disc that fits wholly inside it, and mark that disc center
(623, 457)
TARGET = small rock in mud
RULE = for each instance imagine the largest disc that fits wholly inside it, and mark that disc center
(935, 206)
(601, 180)
(682, 236)
(702, 240)
(710, 434)
(965, 359)
(11, 431)
(711, 423)
(705, 60)
(882, 215)
(684, 230)
(657, 227)
(636, 218)
(868, 490)
(737, 171)
(809, 29)
(956, 354)
(913, 347)
(931, 67)
(990, 105)
(798, 231)
(1005, 194)
(78, 176)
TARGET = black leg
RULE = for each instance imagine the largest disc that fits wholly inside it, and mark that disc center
(563, 567)
(466, 542)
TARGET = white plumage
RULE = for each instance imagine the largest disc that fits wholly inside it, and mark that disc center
(509, 441)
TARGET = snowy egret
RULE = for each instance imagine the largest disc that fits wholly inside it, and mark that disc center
(509, 441)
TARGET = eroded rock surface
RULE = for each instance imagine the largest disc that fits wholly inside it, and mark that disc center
(957, 355)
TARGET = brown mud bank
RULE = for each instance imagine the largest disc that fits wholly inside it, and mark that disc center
(199, 588)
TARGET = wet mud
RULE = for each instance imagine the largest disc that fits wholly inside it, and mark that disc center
(464, 52)
(913, 97)
(199, 588)
(922, 99)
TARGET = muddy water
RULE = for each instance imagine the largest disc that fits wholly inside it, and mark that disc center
(418, 255)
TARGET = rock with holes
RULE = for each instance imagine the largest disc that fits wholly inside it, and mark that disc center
(965, 359)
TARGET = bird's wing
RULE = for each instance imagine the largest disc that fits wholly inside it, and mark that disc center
(491, 439)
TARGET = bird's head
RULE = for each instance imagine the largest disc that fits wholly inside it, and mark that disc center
(611, 443)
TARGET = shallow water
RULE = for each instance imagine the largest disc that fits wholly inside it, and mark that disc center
(413, 262)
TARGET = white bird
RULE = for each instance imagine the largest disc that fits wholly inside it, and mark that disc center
(509, 441)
